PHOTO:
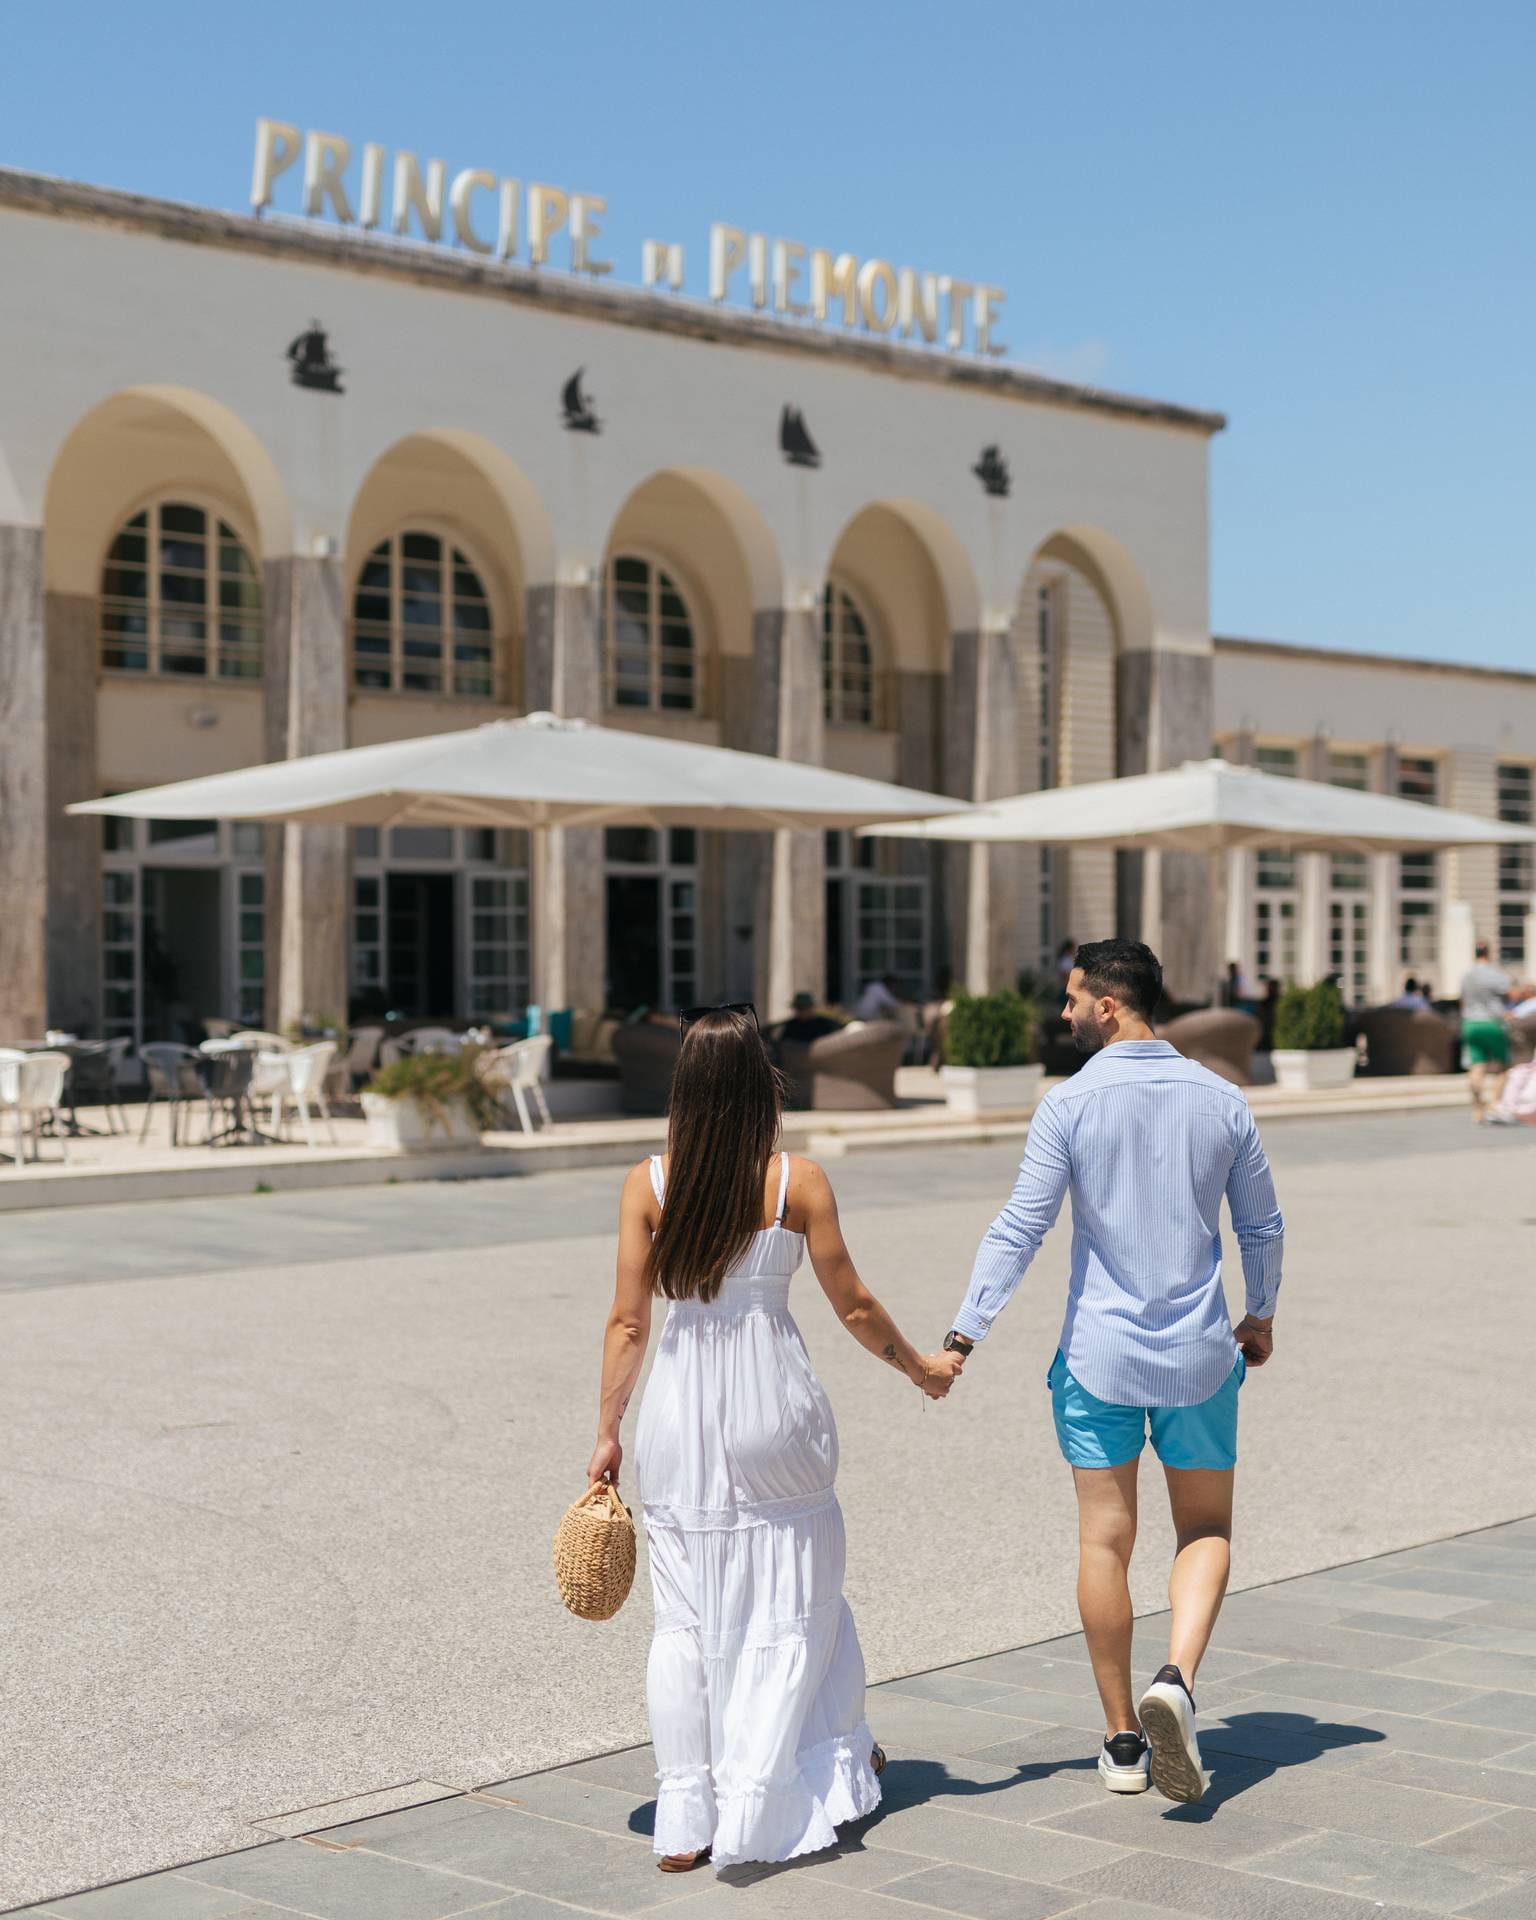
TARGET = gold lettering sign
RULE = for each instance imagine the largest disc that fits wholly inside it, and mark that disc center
(772, 273)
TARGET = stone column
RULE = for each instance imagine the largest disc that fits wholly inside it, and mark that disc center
(1312, 883)
(563, 673)
(1163, 718)
(790, 948)
(23, 787)
(1385, 966)
(1237, 879)
(981, 750)
(308, 868)
(71, 625)
(1472, 873)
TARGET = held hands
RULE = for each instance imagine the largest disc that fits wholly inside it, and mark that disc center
(607, 1457)
(941, 1371)
(1255, 1338)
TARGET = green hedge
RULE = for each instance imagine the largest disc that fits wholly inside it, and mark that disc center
(1310, 1018)
(990, 1030)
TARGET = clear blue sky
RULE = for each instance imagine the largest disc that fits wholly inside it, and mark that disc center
(1317, 218)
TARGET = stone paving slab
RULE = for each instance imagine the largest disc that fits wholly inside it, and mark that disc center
(1356, 1772)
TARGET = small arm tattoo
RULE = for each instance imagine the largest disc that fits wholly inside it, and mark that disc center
(888, 1353)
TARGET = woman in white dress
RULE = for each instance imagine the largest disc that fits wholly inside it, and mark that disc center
(755, 1685)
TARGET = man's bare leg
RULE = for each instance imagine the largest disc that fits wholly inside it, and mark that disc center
(1201, 1500)
(1106, 1533)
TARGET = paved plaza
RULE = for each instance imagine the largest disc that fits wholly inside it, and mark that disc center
(279, 1475)
(1369, 1736)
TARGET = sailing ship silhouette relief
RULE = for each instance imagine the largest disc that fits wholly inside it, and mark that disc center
(795, 442)
(577, 406)
(311, 361)
(992, 471)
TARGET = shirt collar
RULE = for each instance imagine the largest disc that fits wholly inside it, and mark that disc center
(1136, 1050)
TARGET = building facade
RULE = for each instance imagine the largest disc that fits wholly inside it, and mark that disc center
(268, 488)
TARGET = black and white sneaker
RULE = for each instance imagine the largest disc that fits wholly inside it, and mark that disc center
(1168, 1715)
(1123, 1764)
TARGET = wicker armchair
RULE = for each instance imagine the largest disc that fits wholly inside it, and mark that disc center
(1220, 1038)
(852, 1069)
(1407, 1040)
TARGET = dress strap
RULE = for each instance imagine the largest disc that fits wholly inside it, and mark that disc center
(658, 1179)
(778, 1218)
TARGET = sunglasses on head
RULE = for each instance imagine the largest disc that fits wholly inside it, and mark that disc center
(689, 1014)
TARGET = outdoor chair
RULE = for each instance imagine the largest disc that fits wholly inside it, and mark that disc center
(646, 1051)
(31, 1088)
(419, 1040)
(227, 1075)
(1220, 1038)
(362, 1055)
(519, 1069)
(173, 1073)
(1407, 1040)
(259, 1041)
(855, 1068)
(300, 1076)
(95, 1069)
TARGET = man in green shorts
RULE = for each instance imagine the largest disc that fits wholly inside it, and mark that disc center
(1484, 1003)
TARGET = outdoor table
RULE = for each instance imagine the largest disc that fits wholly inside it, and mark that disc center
(73, 1048)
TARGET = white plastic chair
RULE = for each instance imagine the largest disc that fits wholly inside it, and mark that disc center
(519, 1069)
(31, 1087)
(259, 1041)
(362, 1054)
(300, 1076)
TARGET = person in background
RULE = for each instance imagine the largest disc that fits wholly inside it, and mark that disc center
(1484, 1005)
(1411, 999)
(1525, 1001)
(805, 1024)
(1266, 1010)
(1064, 960)
(879, 1000)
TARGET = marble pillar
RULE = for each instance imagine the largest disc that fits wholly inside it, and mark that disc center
(1312, 875)
(1385, 964)
(1163, 717)
(308, 867)
(981, 753)
(790, 945)
(72, 628)
(23, 787)
(563, 673)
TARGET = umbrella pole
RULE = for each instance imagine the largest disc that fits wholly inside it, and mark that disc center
(546, 940)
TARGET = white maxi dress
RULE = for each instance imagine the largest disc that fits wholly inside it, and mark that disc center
(755, 1685)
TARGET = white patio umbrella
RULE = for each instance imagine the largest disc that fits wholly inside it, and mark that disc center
(540, 771)
(1211, 806)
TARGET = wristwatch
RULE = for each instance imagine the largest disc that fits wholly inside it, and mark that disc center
(957, 1343)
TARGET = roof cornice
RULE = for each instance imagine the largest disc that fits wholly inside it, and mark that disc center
(1287, 649)
(441, 268)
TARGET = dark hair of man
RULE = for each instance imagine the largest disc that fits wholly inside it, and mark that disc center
(723, 1124)
(1482, 950)
(1122, 970)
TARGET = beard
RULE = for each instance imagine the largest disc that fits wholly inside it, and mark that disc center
(1086, 1035)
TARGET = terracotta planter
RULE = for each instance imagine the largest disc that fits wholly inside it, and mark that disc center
(972, 1091)
(1313, 1069)
(408, 1128)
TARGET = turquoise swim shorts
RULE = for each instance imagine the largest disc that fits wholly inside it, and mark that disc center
(1098, 1433)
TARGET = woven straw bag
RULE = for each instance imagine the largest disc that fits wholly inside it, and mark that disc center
(595, 1553)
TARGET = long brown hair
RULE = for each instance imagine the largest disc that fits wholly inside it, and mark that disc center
(723, 1124)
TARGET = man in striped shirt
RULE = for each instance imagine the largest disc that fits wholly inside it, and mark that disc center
(1147, 1143)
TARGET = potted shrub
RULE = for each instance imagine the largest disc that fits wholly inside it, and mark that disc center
(988, 1047)
(427, 1101)
(1309, 1051)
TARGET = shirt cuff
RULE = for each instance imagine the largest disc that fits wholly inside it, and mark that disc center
(1264, 1307)
(971, 1325)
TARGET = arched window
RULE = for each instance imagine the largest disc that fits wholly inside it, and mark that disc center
(849, 675)
(649, 642)
(422, 620)
(180, 594)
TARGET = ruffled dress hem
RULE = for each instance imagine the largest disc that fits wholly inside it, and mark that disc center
(770, 1820)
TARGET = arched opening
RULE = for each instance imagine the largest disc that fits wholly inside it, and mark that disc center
(1078, 594)
(160, 510)
(440, 543)
(688, 567)
(898, 585)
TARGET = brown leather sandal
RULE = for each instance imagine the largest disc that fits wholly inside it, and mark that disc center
(877, 1760)
(682, 1862)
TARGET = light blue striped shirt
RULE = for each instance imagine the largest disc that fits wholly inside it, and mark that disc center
(1147, 1142)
